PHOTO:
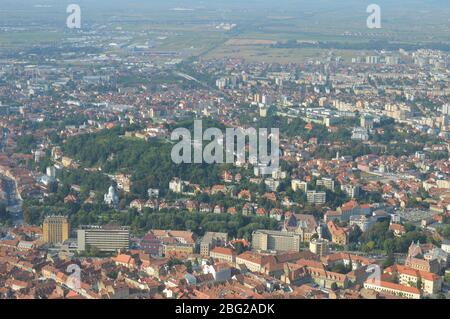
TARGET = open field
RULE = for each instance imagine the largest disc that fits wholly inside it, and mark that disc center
(190, 26)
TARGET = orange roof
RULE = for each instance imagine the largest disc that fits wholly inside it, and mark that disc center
(412, 272)
(391, 285)
(223, 251)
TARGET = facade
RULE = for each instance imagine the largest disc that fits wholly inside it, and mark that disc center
(352, 191)
(108, 239)
(339, 235)
(430, 283)
(271, 240)
(297, 184)
(175, 242)
(328, 183)
(316, 198)
(426, 257)
(223, 254)
(211, 240)
(152, 245)
(364, 223)
(176, 185)
(55, 229)
(253, 261)
(319, 247)
(393, 289)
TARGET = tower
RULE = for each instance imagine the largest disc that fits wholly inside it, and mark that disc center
(55, 229)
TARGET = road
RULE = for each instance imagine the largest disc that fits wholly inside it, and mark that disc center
(14, 203)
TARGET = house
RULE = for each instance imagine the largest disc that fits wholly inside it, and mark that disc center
(245, 195)
(426, 257)
(221, 272)
(125, 260)
(430, 283)
(247, 209)
(137, 204)
(261, 212)
(397, 229)
(339, 235)
(223, 254)
(393, 289)
(276, 214)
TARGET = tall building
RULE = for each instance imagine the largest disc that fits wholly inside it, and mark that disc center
(326, 182)
(104, 238)
(298, 184)
(319, 246)
(267, 240)
(55, 229)
(317, 198)
(366, 122)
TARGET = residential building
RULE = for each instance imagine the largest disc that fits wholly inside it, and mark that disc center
(55, 229)
(272, 240)
(105, 238)
(319, 246)
(223, 254)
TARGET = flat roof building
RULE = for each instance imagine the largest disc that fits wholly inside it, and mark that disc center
(104, 238)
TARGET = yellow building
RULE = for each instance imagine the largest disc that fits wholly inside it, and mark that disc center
(55, 229)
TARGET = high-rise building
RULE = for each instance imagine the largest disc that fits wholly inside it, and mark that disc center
(104, 238)
(319, 246)
(326, 182)
(55, 229)
(317, 198)
(268, 240)
(298, 184)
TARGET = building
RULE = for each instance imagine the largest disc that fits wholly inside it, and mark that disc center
(297, 184)
(339, 235)
(392, 289)
(446, 246)
(328, 183)
(151, 245)
(104, 238)
(430, 283)
(316, 198)
(304, 225)
(366, 122)
(176, 242)
(176, 185)
(55, 229)
(223, 254)
(426, 257)
(253, 261)
(351, 208)
(211, 240)
(319, 246)
(351, 191)
(364, 223)
(272, 240)
(360, 134)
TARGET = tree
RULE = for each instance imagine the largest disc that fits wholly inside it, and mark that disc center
(390, 260)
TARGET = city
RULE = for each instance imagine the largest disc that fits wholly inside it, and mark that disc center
(94, 206)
